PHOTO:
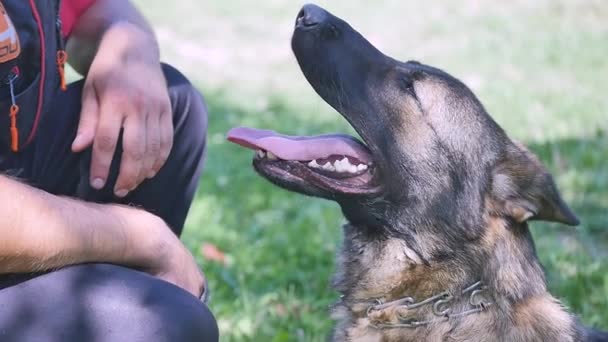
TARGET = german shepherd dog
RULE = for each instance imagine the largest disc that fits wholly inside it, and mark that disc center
(438, 199)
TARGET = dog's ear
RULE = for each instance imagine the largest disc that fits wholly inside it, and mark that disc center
(524, 190)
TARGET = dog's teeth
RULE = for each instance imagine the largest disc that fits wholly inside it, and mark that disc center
(260, 153)
(344, 165)
(314, 164)
(340, 166)
(271, 156)
(329, 167)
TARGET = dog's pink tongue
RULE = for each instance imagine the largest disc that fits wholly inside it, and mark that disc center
(298, 147)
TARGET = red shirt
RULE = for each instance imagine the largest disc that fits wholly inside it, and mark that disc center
(70, 11)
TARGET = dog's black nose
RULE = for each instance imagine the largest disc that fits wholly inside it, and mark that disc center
(310, 16)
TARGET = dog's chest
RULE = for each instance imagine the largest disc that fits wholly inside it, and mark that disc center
(378, 270)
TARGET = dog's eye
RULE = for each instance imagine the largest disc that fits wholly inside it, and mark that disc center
(407, 84)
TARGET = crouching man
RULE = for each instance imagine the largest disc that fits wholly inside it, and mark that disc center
(96, 179)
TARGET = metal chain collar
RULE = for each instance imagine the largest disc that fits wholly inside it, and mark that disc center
(441, 307)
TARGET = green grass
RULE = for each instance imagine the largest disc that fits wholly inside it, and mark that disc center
(538, 66)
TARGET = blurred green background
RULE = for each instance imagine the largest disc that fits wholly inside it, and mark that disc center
(540, 68)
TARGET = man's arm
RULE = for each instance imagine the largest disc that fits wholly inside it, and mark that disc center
(90, 28)
(41, 232)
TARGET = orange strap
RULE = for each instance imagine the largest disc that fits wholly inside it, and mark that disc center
(14, 131)
(62, 58)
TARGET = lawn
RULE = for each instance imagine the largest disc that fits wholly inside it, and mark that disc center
(539, 67)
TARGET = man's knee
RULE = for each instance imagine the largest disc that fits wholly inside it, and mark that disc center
(180, 318)
(103, 303)
(154, 310)
(187, 102)
(190, 117)
(191, 323)
(133, 306)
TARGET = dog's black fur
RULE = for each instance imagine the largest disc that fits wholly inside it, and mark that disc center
(447, 202)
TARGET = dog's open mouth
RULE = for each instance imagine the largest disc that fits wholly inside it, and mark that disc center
(331, 162)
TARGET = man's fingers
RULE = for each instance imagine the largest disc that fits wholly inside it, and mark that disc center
(104, 145)
(166, 139)
(152, 145)
(133, 153)
(88, 120)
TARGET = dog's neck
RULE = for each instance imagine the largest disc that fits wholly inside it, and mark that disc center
(388, 270)
(423, 265)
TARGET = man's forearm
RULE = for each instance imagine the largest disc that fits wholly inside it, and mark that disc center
(40, 231)
(102, 16)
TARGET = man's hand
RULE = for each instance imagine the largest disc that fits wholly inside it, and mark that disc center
(182, 270)
(125, 88)
(170, 260)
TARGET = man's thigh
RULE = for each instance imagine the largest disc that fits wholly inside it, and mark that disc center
(50, 164)
(102, 303)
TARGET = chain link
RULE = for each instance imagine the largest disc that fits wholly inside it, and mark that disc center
(441, 307)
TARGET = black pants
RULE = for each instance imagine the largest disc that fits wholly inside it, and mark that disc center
(96, 302)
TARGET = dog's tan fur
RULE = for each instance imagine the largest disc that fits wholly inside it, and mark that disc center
(394, 275)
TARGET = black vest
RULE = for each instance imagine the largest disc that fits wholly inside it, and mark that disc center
(33, 78)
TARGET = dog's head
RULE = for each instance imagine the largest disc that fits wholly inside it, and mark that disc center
(431, 157)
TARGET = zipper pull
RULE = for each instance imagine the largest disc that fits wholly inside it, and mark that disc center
(62, 55)
(62, 58)
(14, 110)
